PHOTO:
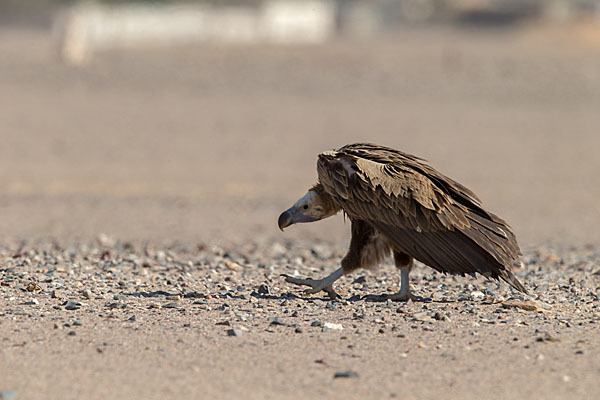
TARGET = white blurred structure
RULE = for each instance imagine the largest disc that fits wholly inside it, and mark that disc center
(88, 27)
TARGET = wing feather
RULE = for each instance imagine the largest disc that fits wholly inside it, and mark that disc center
(425, 214)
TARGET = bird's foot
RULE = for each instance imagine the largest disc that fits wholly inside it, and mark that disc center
(400, 296)
(315, 285)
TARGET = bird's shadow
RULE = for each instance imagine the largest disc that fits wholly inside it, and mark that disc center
(289, 296)
(155, 293)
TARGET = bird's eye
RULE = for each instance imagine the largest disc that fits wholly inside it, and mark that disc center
(305, 207)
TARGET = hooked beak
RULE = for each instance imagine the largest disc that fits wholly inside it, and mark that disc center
(285, 219)
(292, 216)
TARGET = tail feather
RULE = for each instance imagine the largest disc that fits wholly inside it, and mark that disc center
(512, 280)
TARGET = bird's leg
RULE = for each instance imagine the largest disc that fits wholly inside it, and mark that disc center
(404, 293)
(404, 263)
(325, 284)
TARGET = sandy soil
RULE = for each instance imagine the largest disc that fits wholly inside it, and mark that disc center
(185, 157)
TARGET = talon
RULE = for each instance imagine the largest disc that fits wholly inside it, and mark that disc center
(315, 285)
(332, 293)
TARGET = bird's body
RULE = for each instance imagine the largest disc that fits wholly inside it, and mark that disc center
(400, 205)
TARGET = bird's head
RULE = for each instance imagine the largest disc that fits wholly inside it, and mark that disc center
(315, 205)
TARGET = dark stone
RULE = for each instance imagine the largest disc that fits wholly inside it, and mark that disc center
(264, 289)
(234, 332)
(345, 374)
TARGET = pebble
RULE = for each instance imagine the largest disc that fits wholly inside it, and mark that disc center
(477, 295)
(329, 326)
(56, 294)
(345, 374)
(33, 287)
(73, 305)
(276, 321)
(547, 338)
(235, 332)
(264, 290)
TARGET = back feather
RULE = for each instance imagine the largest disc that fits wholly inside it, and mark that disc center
(425, 214)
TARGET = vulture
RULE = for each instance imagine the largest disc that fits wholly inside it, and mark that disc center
(399, 205)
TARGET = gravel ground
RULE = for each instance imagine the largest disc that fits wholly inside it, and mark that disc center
(221, 322)
(185, 157)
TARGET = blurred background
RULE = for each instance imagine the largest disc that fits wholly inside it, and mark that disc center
(200, 121)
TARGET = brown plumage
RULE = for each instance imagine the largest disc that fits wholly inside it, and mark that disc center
(398, 202)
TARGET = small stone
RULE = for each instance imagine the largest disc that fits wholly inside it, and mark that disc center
(72, 333)
(547, 338)
(77, 323)
(276, 321)
(298, 330)
(56, 294)
(86, 293)
(316, 323)
(345, 374)
(234, 332)
(170, 305)
(421, 345)
(440, 317)
(33, 287)
(477, 295)
(264, 289)
(73, 305)
(328, 326)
